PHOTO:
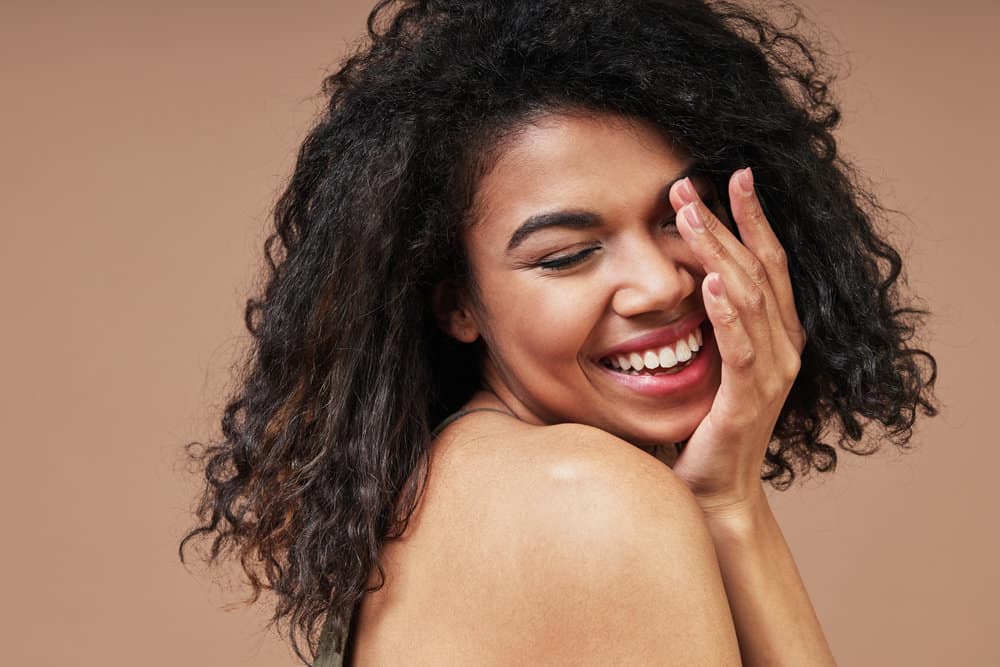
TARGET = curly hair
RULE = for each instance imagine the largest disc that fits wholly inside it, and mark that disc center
(347, 370)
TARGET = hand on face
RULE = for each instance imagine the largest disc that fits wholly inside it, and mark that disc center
(749, 301)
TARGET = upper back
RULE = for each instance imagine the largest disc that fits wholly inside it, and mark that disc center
(547, 545)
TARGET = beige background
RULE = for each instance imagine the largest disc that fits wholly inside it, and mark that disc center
(141, 149)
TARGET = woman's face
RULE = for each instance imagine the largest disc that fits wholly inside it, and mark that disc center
(564, 299)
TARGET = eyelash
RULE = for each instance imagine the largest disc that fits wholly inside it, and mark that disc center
(562, 263)
(565, 262)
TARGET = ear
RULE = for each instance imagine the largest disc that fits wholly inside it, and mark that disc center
(452, 312)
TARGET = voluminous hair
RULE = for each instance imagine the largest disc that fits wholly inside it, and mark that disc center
(347, 371)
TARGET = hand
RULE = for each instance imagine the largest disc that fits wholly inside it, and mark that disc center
(748, 298)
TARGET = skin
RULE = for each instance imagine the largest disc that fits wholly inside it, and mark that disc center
(544, 328)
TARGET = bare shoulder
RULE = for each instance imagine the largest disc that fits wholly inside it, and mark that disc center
(569, 452)
(568, 545)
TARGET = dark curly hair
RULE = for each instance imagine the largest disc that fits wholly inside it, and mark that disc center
(348, 371)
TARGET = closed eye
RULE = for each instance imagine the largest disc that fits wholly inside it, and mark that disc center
(669, 223)
(561, 263)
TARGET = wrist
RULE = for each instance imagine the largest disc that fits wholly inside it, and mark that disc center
(737, 515)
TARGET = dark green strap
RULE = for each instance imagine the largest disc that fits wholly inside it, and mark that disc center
(326, 656)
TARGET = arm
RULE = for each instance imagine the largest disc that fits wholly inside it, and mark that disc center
(774, 619)
(749, 299)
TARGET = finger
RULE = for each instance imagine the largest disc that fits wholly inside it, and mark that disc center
(736, 348)
(759, 237)
(682, 193)
(717, 249)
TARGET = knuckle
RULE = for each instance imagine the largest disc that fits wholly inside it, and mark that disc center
(757, 213)
(728, 317)
(716, 251)
(799, 340)
(794, 366)
(755, 300)
(709, 220)
(755, 269)
(777, 257)
(745, 358)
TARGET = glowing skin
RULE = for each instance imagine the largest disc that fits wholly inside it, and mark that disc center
(546, 329)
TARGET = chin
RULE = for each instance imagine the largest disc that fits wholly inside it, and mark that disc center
(676, 431)
(678, 427)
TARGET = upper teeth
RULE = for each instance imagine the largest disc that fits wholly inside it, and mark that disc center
(667, 356)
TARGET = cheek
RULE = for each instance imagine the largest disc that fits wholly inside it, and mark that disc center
(548, 321)
(684, 256)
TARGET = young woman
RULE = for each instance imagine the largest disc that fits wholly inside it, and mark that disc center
(554, 288)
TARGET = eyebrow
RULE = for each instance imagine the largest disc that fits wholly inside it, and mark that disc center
(586, 219)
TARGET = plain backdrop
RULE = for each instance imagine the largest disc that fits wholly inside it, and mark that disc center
(141, 147)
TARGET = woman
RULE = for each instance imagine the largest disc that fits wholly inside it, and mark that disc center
(610, 251)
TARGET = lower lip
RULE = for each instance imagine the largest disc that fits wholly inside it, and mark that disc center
(663, 385)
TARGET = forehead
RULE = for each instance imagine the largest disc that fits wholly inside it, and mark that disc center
(597, 162)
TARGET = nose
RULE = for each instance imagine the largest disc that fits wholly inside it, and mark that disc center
(649, 278)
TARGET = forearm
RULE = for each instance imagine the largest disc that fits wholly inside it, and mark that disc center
(774, 618)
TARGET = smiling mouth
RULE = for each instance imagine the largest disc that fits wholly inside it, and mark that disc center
(664, 360)
(677, 368)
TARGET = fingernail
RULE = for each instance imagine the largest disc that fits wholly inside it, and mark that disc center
(687, 191)
(745, 180)
(715, 285)
(692, 216)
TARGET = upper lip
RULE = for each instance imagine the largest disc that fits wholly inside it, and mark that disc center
(658, 337)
